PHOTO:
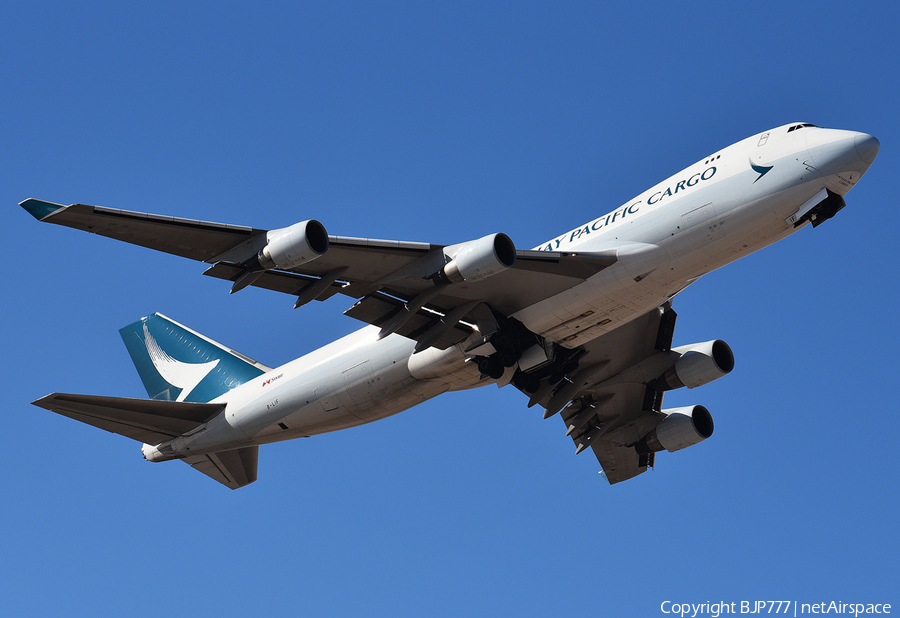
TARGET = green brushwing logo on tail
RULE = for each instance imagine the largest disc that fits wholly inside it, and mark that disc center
(178, 364)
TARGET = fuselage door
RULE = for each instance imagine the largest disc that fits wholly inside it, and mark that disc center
(359, 382)
(701, 225)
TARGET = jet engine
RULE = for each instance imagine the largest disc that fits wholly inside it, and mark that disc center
(699, 364)
(681, 428)
(479, 259)
(293, 246)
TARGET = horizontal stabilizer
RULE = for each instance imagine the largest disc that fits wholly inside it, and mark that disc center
(231, 468)
(145, 420)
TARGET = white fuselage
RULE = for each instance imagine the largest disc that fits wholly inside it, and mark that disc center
(728, 205)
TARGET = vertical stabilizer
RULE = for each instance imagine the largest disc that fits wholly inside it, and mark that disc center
(178, 364)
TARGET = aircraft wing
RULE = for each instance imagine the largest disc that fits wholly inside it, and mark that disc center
(389, 278)
(609, 408)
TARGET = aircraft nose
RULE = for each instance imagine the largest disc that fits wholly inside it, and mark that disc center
(841, 157)
(866, 147)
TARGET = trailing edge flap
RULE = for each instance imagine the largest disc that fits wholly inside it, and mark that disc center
(145, 420)
(231, 468)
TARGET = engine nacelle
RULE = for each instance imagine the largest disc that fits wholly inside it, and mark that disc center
(681, 428)
(479, 259)
(294, 246)
(699, 364)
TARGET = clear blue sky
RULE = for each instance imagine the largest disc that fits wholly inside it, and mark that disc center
(441, 122)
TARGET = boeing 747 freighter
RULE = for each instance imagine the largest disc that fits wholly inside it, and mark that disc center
(583, 323)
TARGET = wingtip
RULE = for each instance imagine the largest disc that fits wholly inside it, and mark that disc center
(41, 402)
(40, 209)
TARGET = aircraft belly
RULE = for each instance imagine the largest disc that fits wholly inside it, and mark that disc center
(308, 421)
(599, 305)
(367, 390)
(750, 224)
(313, 420)
(447, 368)
(371, 393)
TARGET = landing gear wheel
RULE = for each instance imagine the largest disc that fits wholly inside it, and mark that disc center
(491, 366)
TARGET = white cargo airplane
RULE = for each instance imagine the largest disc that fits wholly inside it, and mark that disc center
(582, 324)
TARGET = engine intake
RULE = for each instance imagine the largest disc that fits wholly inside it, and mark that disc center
(294, 246)
(681, 428)
(699, 364)
(479, 259)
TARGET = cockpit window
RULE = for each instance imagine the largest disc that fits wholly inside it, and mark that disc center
(800, 126)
